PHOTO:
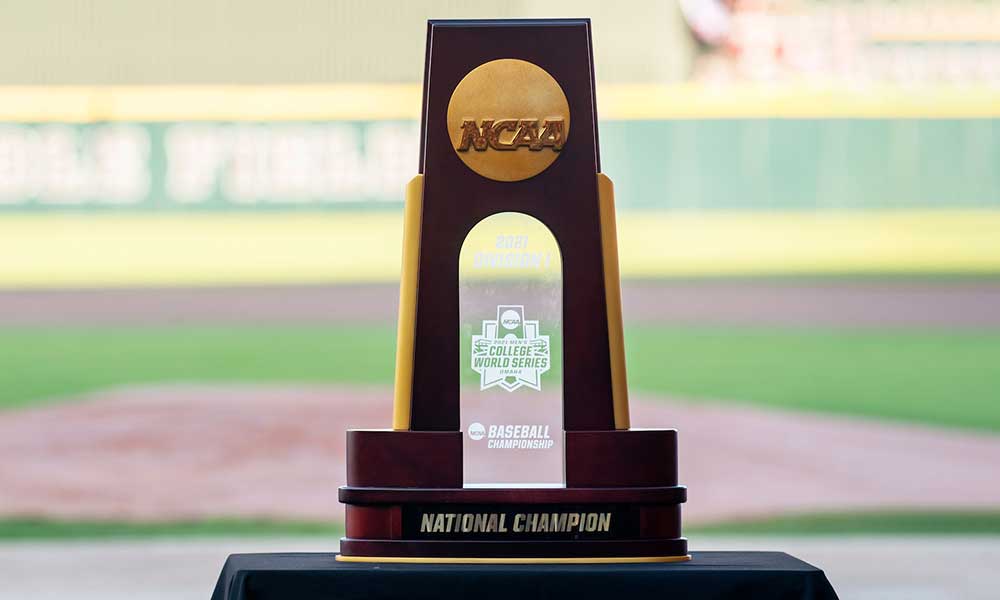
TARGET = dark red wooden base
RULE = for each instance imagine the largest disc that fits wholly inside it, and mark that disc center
(397, 479)
(519, 549)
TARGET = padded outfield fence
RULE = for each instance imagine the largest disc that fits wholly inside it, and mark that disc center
(666, 147)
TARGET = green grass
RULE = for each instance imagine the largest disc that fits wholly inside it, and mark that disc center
(42, 529)
(942, 378)
(867, 523)
(936, 377)
(42, 363)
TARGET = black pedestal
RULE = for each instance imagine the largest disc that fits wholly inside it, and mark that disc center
(709, 575)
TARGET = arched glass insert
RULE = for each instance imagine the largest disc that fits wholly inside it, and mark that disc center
(510, 315)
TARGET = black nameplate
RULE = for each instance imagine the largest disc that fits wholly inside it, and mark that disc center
(520, 522)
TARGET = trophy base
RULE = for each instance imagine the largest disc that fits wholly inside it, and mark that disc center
(405, 503)
(513, 525)
(567, 551)
(508, 560)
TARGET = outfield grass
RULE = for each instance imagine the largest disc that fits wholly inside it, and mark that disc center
(943, 378)
(865, 523)
(47, 363)
(41, 529)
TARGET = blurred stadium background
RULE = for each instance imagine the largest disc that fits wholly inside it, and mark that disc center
(200, 219)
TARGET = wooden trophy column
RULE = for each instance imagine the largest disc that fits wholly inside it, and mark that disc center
(510, 125)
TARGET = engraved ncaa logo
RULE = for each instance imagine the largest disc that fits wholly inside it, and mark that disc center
(477, 431)
(510, 353)
(508, 119)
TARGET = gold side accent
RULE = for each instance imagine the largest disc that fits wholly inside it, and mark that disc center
(513, 561)
(613, 294)
(406, 327)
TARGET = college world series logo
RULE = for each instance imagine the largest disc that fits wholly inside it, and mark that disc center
(510, 353)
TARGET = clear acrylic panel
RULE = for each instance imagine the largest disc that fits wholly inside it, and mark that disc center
(510, 315)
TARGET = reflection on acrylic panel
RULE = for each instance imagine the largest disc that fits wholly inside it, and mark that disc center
(510, 314)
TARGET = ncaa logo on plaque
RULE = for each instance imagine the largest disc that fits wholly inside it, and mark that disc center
(477, 431)
(508, 119)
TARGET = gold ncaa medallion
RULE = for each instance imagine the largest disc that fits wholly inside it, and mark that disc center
(508, 119)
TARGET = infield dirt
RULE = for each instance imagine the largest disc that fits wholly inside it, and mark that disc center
(831, 302)
(186, 452)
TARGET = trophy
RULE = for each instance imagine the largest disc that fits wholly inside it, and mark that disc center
(510, 437)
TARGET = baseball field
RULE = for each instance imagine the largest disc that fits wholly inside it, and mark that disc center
(201, 218)
(830, 385)
(947, 378)
(811, 296)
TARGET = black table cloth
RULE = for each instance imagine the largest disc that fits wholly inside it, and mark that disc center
(709, 575)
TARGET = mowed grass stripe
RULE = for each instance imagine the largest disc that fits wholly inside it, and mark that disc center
(114, 250)
(43, 363)
(940, 378)
(881, 522)
(975, 523)
(52, 529)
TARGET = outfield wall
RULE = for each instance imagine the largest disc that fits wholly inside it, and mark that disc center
(735, 163)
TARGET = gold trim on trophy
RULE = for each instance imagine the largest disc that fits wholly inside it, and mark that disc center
(406, 328)
(458, 560)
(613, 295)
